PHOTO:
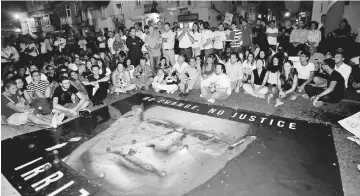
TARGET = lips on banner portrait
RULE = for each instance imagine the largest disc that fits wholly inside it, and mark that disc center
(163, 146)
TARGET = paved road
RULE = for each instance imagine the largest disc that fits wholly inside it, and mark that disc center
(348, 152)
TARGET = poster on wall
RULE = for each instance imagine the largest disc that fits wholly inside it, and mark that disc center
(164, 146)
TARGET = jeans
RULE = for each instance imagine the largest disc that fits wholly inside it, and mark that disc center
(330, 98)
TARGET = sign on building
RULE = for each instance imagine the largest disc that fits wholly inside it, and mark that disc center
(228, 18)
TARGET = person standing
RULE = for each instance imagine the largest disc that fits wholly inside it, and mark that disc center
(102, 42)
(110, 43)
(298, 38)
(82, 43)
(219, 39)
(284, 38)
(272, 33)
(153, 45)
(237, 43)
(134, 44)
(195, 33)
(185, 42)
(168, 40)
(246, 35)
(206, 39)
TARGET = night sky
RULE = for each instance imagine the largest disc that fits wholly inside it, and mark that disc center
(9, 8)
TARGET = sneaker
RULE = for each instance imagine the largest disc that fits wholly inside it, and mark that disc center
(279, 103)
(211, 100)
(305, 96)
(53, 121)
(318, 103)
(59, 118)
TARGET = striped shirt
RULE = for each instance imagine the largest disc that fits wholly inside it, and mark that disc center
(41, 87)
(238, 39)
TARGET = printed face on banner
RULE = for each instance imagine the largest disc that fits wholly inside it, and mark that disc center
(159, 151)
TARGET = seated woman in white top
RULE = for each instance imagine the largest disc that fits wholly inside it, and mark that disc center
(102, 65)
(129, 67)
(274, 69)
(286, 85)
(248, 66)
(121, 81)
(219, 86)
(162, 82)
(259, 77)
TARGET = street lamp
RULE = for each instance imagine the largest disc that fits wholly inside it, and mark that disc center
(17, 16)
(287, 14)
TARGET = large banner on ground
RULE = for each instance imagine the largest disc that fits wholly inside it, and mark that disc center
(163, 146)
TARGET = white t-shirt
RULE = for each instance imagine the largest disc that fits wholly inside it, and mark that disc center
(219, 37)
(82, 44)
(222, 81)
(345, 71)
(185, 40)
(170, 39)
(304, 71)
(206, 34)
(180, 69)
(197, 38)
(272, 40)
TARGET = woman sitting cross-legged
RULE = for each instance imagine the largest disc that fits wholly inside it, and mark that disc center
(162, 83)
(16, 112)
(287, 84)
(259, 77)
(217, 86)
(121, 80)
(97, 85)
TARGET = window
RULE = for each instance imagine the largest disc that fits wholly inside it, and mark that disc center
(178, 3)
(83, 15)
(103, 12)
(46, 20)
(138, 3)
(189, 2)
(67, 8)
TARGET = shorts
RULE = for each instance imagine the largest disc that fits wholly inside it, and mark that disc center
(18, 118)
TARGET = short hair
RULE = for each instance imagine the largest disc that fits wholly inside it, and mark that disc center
(35, 71)
(9, 83)
(182, 55)
(95, 66)
(272, 21)
(222, 67)
(143, 58)
(306, 53)
(63, 78)
(316, 24)
(330, 63)
(206, 25)
(244, 21)
(234, 53)
(146, 27)
(221, 24)
(122, 54)
(339, 52)
(132, 28)
(63, 67)
(323, 15)
(233, 23)
(167, 23)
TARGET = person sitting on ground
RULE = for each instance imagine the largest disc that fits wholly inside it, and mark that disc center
(274, 69)
(20, 84)
(259, 77)
(248, 66)
(121, 80)
(17, 112)
(235, 72)
(334, 91)
(103, 69)
(64, 99)
(143, 75)
(305, 70)
(341, 67)
(97, 86)
(191, 77)
(208, 69)
(29, 78)
(76, 81)
(164, 66)
(129, 67)
(159, 83)
(38, 88)
(286, 85)
(218, 87)
(354, 80)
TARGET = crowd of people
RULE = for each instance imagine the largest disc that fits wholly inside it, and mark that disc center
(47, 78)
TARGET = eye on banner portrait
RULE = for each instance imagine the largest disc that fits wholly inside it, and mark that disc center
(163, 146)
